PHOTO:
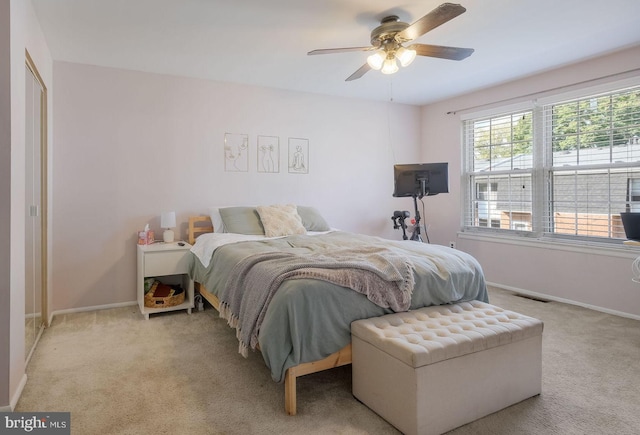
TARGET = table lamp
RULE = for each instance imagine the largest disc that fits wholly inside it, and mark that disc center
(168, 221)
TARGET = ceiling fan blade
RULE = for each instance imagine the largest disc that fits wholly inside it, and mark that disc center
(438, 16)
(451, 53)
(340, 50)
(359, 73)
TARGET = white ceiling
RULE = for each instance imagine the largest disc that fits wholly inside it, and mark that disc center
(264, 42)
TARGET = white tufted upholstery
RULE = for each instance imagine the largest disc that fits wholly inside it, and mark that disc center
(432, 334)
(434, 369)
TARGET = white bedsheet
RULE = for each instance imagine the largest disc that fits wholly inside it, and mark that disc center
(206, 244)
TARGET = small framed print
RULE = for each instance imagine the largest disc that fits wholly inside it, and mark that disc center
(298, 155)
(268, 154)
(236, 152)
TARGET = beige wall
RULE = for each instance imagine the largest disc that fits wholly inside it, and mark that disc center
(130, 145)
(589, 276)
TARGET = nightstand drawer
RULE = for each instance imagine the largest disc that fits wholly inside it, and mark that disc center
(166, 263)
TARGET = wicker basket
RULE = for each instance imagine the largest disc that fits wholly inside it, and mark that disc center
(176, 297)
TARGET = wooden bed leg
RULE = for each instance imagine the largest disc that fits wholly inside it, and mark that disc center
(290, 392)
(337, 359)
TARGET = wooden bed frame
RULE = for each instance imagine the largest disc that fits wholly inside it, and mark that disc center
(202, 224)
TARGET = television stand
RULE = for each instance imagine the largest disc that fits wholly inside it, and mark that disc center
(399, 217)
(415, 235)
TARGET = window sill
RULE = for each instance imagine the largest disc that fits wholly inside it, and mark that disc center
(585, 247)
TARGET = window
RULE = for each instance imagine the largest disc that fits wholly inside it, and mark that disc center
(486, 206)
(500, 170)
(633, 195)
(564, 169)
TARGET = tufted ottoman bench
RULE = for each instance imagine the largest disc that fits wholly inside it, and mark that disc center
(431, 370)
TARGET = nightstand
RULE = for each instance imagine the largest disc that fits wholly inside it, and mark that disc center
(169, 262)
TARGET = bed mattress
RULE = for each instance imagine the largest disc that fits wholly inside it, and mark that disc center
(309, 319)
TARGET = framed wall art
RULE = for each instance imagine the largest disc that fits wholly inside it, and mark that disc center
(268, 154)
(236, 152)
(298, 155)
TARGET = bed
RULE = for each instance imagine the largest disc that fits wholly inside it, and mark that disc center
(298, 314)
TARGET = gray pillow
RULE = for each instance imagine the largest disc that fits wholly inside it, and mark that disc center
(312, 219)
(241, 220)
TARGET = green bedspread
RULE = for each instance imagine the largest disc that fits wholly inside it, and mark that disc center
(308, 320)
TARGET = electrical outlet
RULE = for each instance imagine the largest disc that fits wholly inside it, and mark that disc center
(452, 245)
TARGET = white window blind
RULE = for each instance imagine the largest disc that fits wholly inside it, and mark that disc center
(499, 171)
(593, 151)
(566, 169)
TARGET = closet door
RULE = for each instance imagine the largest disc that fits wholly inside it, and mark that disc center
(34, 144)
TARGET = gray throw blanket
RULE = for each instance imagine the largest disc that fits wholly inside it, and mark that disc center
(386, 277)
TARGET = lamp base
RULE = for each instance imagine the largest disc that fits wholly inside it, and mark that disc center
(167, 236)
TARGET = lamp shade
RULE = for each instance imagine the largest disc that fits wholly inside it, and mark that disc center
(168, 219)
(389, 66)
(376, 59)
(405, 56)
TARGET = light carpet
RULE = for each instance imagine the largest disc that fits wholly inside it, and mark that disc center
(181, 374)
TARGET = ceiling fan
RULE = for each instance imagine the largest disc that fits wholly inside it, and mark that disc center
(388, 38)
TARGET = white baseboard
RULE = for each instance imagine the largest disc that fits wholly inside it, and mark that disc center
(564, 301)
(16, 396)
(35, 344)
(92, 308)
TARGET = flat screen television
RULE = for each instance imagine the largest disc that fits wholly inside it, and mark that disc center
(420, 179)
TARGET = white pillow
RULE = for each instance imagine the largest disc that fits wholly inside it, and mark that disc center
(216, 219)
(280, 220)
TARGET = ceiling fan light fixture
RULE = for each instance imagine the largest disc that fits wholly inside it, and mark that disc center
(405, 56)
(387, 41)
(376, 60)
(390, 66)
